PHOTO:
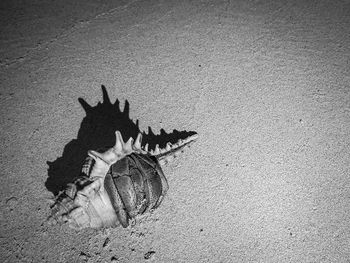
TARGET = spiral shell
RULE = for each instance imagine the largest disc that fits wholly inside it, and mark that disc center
(116, 185)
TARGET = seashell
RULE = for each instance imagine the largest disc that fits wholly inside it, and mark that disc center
(116, 185)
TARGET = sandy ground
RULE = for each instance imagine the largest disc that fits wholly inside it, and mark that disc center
(264, 83)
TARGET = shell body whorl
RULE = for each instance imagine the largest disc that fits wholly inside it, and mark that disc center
(135, 184)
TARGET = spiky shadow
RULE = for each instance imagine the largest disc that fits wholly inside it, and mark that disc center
(97, 131)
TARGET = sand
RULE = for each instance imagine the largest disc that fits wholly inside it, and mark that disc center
(265, 84)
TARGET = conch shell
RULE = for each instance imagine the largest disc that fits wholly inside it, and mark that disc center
(116, 185)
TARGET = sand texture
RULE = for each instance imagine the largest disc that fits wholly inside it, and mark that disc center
(265, 84)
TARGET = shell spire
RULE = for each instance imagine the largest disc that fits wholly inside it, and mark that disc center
(164, 155)
(122, 149)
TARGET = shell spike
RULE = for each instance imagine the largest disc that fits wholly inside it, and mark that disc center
(128, 146)
(119, 143)
(171, 151)
(137, 144)
(168, 146)
(156, 150)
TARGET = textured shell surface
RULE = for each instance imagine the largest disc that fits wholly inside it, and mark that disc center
(116, 185)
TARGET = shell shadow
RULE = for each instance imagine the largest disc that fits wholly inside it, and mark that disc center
(97, 131)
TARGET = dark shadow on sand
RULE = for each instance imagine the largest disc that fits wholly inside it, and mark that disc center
(97, 130)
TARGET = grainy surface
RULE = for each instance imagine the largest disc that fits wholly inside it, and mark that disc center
(264, 83)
